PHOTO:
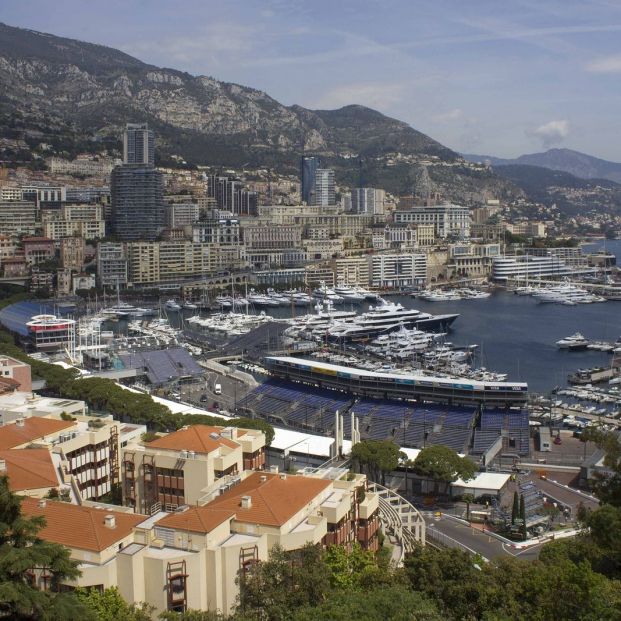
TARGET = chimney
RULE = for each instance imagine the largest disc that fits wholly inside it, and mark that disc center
(274, 469)
(246, 502)
(283, 476)
(2, 465)
(263, 478)
(20, 421)
(110, 521)
(42, 503)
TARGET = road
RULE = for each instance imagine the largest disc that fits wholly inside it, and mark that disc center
(479, 542)
(232, 390)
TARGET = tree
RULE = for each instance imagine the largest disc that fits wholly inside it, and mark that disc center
(285, 582)
(515, 511)
(395, 603)
(443, 465)
(376, 458)
(109, 605)
(468, 498)
(21, 551)
(523, 515)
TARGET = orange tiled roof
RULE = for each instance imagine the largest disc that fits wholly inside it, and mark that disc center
(81, 527)
(35, 427)
(196, 438)
(274, 501)
(29, 469)
(196, 519)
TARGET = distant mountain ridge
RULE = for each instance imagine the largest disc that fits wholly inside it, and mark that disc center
(69, 93)
(575, 163)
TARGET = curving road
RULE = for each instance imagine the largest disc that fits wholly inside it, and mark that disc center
(476, 540)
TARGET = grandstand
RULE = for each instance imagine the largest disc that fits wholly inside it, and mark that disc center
(512, 425)
(407, 424)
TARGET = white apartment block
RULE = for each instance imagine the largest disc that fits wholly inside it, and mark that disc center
(17, 217)
(447, 219)
(276, 236)
(84, 221)
(368, 200)
(112, 264)
(86, 165)
(398, 270)
(181, 214)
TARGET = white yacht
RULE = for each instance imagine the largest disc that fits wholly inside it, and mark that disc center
(172, 305)
(348, 293)
(189, 305)
(575, 341)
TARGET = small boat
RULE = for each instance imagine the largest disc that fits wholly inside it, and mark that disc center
(172, 305)
(189, 305)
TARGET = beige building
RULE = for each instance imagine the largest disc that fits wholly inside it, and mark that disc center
(187, 466)
(72, 253)
(86, 165)
(191, 558)
(85, 221)
(87, 448)
(17, 217)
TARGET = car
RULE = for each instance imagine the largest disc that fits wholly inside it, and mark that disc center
(217, 389)
(204, 398)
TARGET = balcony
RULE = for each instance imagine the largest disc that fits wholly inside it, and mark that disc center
(368, 506)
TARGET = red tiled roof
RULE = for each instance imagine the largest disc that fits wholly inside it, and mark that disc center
(29, 469)
(196, 438)
(273, 501)
(81, 527)
(35, 427)
(196, 519)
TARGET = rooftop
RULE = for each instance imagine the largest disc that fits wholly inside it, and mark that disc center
(197, 438)
(196, 519)
(29, 469)
(274, 500)
(34, 428)
(79, 526)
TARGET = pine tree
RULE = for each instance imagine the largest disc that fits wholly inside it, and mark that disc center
(516, 508)
(20, 551)
(523, 515)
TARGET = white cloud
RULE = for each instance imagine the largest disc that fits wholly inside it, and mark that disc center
(606, 64)
(551, 133)
(448, 117)
(372, 94)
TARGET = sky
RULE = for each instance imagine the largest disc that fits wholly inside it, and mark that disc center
(486, 77)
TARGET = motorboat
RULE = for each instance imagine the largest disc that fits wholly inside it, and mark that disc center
(348, 293)
(189, 305)
(172, 305)
(575, 341)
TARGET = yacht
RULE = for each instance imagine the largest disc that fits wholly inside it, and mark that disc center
(324, 293)
(348, 293)
(172, 305)
(189, 305)
(261, 300)
(224, 301)
(575, 341)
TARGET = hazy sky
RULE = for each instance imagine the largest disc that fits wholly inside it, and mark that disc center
(492, 77)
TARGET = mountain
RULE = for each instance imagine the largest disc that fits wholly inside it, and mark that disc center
(77, 96)
(569, 193)
(573, 162)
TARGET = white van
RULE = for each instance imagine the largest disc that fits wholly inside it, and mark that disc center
(217, 389)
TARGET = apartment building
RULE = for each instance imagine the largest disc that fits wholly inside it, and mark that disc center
(180, 214)
(15, 373)
(86, 165)
(353, 271)
(527, 229)
(186, 467)
(38, 249)
(112, 264)
(86, 221)
(471, 260)
(8, 247)
(17, 217)
(398, 270)
(36, 193)
(72, 253)
(193, 557)
(274, 237)
(87, 448)
(368, 200)
(448, 219)
(321, 249)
